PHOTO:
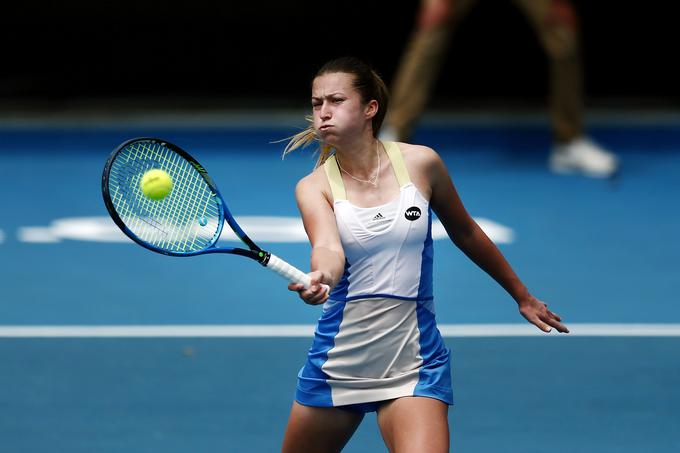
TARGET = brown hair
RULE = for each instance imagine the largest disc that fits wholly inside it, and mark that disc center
(369, 85)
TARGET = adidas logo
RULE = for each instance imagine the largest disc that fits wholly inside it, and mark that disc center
(378, 216)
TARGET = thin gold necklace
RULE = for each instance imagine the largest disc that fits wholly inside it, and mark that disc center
(372, 180)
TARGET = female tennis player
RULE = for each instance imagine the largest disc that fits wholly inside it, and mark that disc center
(367, 209)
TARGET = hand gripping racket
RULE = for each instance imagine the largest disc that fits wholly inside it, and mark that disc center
(189, 220)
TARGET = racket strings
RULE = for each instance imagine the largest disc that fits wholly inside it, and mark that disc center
(197, 193)
(184, 210)
(180, 209)
(186, 220)
(178, 216)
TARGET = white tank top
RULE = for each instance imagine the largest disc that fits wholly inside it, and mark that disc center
(377, 218)
(391, 260)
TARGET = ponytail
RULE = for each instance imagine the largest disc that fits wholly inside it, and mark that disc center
(304, 138)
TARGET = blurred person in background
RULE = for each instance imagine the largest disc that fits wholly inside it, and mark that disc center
(556, 25)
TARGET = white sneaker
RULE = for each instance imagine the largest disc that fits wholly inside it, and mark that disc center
(583, 155)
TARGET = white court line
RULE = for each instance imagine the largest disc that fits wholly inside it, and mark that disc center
(305, 330)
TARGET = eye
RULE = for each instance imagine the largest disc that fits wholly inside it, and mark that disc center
(338, 100)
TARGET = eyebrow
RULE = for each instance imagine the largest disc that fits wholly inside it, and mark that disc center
(337, 93)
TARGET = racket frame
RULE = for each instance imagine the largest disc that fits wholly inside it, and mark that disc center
(266, 259)
(254, 251)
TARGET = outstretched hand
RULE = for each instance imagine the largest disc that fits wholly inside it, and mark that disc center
(537, 313)
(316, 294)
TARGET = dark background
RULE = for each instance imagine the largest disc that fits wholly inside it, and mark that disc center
(240, 54)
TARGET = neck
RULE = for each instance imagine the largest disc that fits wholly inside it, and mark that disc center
(362, 160)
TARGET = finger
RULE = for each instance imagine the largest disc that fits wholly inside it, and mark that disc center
(546, 314)
(317, 300)
(318, 296)
(307, 298)
(560, 327)
(304, 293)
(295, 286)
(554, 315)
(540, 324)
(556, 324)
(311, 295)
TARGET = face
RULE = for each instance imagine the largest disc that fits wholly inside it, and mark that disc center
(338, 111)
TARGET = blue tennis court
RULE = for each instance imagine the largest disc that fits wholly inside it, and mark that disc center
(108, 347)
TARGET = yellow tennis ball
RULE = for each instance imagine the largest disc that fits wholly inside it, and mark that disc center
(156, 184)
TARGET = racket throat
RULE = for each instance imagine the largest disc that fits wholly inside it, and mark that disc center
(263, 257)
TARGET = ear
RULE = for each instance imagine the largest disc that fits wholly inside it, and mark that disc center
(371, 109)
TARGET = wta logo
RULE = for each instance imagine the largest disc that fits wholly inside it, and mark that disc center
(412, 213)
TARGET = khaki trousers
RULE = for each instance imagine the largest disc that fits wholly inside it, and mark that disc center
(557, 32)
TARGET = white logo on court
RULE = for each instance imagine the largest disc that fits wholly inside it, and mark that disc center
(262, 229)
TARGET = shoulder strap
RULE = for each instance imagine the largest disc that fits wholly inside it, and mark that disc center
(335, 179)
(398, 164)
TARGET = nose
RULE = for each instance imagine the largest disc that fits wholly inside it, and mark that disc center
(325, 112)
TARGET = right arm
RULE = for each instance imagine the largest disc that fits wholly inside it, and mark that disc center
(328, 258)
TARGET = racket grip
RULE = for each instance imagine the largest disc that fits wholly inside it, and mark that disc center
(290, 273)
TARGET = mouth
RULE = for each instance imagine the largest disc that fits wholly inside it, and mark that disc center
(325, 127)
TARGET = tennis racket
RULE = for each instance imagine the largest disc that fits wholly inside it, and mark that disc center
(189, 220)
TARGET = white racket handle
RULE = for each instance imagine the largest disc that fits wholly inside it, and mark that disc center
(290, 273)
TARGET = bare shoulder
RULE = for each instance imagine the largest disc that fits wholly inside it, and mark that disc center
(423, 164)
(314, 184)
(419, 157)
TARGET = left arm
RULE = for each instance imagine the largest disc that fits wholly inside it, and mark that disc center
(469, 237)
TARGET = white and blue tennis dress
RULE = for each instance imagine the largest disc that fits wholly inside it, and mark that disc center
(377, 338)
